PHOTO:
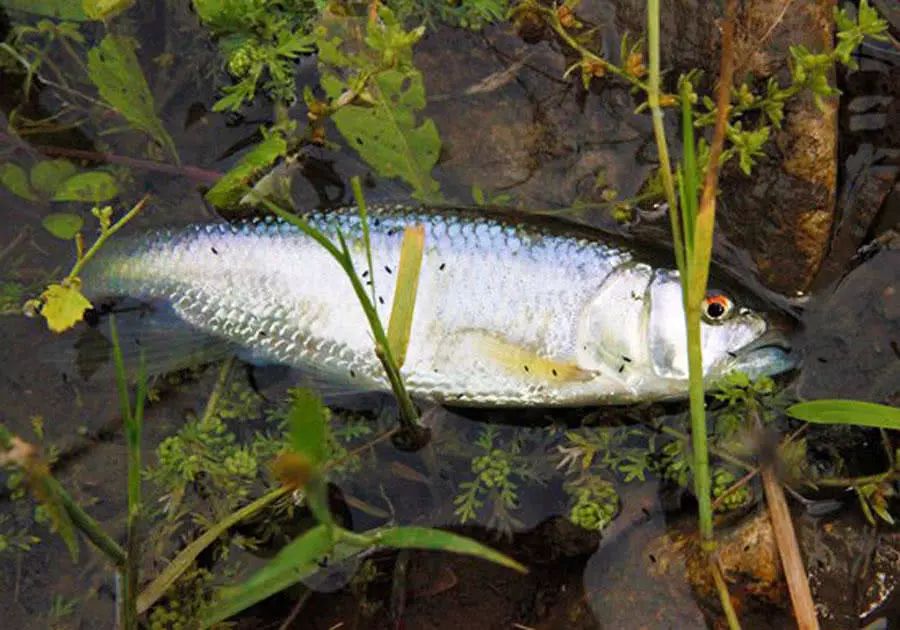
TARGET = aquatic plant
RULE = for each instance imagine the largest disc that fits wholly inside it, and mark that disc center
(304, 468)
(261, 41)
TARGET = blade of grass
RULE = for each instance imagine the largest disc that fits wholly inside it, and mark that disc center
(440, 540)
(404, 304)
(293, 563)
(852, 412)
(187, 556)
(364, 220)
(133, 420)
(659, 131)
(409, 415)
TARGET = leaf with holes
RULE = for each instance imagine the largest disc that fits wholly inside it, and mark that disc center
(113, 67)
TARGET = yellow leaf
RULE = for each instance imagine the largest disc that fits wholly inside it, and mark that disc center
(64, 306)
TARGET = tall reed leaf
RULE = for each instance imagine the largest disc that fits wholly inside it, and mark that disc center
(853, 412)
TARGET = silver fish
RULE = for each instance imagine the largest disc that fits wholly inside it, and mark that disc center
(509, 312)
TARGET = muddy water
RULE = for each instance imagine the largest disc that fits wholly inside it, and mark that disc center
(511, 125)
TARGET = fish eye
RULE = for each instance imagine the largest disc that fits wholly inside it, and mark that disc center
(717, 307)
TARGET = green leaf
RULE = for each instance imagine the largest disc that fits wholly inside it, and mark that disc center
(113, 67)
(70, 10)
(102, 9)
(377, 95)
(439, 540)
(229, 190)
(294, 562)
(63, 225)
(186, 557)
(94, 186)
(13, 177)
(404, 304)
(308, 426)
(854, 412)
(386, 134)
(46, 176)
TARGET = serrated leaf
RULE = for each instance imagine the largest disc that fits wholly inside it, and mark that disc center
(102, 9)
(94, 186)
(229, 190)
(69, 10)
(113, 67)
(293, 563)
(46, 176)
(852, 412)
(439, 540)
(14, 178)
(64, 306)
(386, 134)
(63, 225)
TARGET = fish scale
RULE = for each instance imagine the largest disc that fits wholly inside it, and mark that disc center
(508, 312)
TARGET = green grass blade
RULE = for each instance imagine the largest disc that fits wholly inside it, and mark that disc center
(404, 304)
(121, 379)
(852, 412)
(294, 562)
(689, 167)
(364, 220)
(439, 540)
(187, 556)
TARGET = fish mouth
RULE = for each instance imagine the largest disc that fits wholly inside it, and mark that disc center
(768, 355)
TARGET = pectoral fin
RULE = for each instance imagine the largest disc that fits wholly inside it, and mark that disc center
(516, 359)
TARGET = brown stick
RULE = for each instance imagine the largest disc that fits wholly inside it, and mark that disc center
(789, 550)
(194, 173)
(706, 211)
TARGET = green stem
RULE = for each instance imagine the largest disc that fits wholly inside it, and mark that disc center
(88, 526)
(186, 557)
(846, 482)
(699, 446)
(409, 415)
(553, 19)
(118, 225)
(659, 132)
(364, 220)
(723, 455)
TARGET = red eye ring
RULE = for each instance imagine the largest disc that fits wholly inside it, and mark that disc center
(717, 307)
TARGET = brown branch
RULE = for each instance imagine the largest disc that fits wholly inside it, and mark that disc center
(789, 550)
(194, 173)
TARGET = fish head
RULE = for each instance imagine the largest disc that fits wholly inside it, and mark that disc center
(737, 333)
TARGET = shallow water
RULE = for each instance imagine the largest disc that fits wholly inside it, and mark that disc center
(511, 125)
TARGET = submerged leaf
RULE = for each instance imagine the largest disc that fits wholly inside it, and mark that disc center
(229, 190)
(95, 186)
(63, 225)
(113, 67)
(46, 176)
(64, 306)
(854, 412)
(13, 177)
